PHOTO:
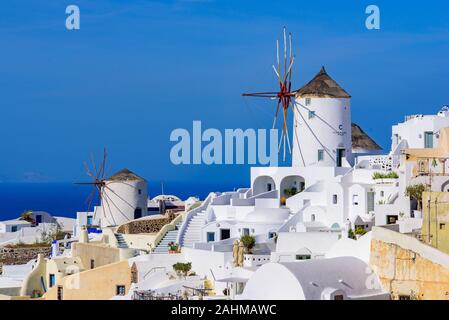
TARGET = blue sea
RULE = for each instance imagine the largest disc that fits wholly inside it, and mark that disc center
(65, 199)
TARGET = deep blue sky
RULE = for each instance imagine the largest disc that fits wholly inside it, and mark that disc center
(139, 69)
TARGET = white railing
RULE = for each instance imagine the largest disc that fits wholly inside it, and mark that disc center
(293, 220)
(252, 200)
(189, 215)
(382, 162)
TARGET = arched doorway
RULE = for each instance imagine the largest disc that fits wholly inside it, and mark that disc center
(263, 184)
(292, 185)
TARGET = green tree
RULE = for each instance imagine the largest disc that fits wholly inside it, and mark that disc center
(415, 192)
(248, 242)
(27, 216)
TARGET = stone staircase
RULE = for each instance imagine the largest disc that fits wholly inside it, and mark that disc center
(192, 232)
(170, 236)
(121, 241)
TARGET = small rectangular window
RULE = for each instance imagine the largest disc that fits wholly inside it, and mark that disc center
(308, 101)
(320, 155)
(442, 226)
(271, 235)
(51, 280)
(355, 199)
(245, 232)
(120, 291)
(312, 114)
(225, 234)
(92, 263)
(303, 257)
(210, 236)
(334, 199)
(382, 193)
(428, 140)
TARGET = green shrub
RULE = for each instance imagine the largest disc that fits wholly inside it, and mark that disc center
(248, 242)
(351, 234)
(182, 268)
(291, 192)
(381, 175)
(360, 231)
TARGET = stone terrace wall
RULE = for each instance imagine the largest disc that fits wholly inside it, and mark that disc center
(14, 256)
(407, 267)
(146, 225)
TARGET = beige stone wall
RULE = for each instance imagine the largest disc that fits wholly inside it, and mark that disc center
(14, 256)
(146, 225)
(96, 284)
(100, 253)
(437, 223)
(405, 271)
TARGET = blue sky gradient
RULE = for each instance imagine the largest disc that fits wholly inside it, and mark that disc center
(136, 70)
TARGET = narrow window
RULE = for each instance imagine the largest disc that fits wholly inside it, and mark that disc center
(308, 101)
(60, 293)
(92, 263)
(245, 232)
(320, 155)
(334, 199)
(51, 280)
(355, 199)
(428, 140)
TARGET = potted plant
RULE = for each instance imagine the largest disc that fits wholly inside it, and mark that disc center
(248, 242)
(173, 247)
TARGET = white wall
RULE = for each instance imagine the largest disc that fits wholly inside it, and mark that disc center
(412, 131)
(329, 129)
(120, 200)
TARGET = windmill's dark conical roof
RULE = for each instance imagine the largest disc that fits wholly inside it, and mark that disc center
(125, 175)
(360, 140)
(322, 86)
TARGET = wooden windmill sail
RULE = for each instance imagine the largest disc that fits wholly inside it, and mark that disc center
(283, 71)
(99, 185)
